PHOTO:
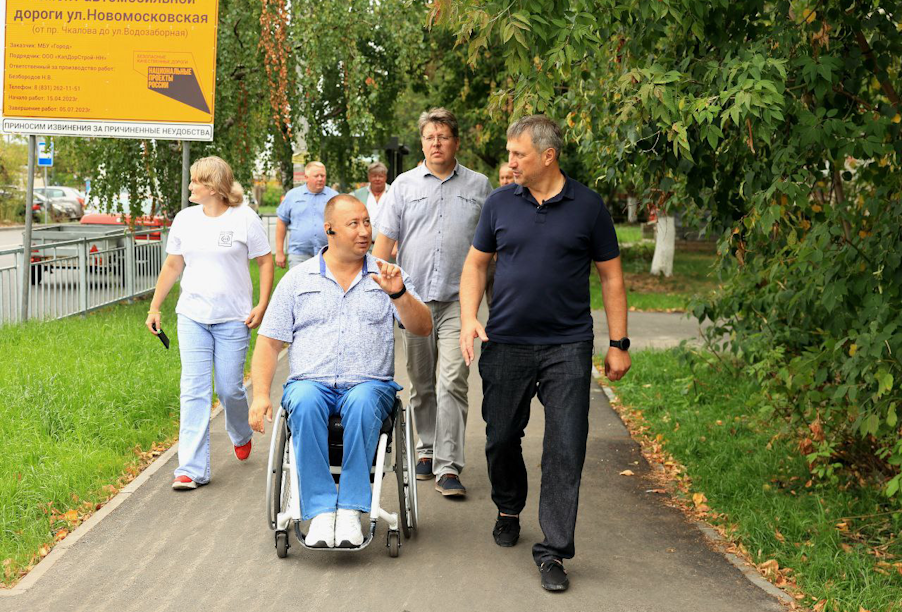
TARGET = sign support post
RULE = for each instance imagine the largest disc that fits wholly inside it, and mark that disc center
(186, 171)
(26, 237)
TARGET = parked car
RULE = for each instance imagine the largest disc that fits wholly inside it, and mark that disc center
(66, 201)
(93, 216)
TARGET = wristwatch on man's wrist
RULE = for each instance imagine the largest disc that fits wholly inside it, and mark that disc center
(395, 296)
(623, 344)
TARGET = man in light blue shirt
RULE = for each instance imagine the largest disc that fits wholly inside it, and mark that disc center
(337, 310)
(301, 212)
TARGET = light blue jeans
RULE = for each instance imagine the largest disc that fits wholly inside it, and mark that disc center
(208, 351)
(362, 407)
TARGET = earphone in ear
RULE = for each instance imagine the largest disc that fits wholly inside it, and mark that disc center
(330, 231)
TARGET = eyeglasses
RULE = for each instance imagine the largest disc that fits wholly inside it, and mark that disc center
(432, 139)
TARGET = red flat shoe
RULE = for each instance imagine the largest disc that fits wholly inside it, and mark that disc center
(243, 451)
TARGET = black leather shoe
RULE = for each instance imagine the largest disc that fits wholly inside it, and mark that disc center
(554, 578)
(506, 531)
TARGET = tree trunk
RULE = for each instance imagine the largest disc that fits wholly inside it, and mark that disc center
(632, 209)
(665, 238)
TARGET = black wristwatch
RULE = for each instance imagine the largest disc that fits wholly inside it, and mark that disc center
(395, 296)
(623, 344)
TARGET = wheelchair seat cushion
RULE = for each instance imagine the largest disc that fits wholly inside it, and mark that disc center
(336, 430)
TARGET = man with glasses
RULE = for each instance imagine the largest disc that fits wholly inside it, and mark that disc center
(431, 212)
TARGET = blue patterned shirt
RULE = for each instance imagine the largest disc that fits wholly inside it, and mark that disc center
(338, 338)
(302, 212)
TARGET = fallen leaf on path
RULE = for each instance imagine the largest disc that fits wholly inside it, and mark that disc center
(658, 491)
(62, 533)
(627, 473)
(819, 606)
(779, 535)
(45, 550)
(699, 498)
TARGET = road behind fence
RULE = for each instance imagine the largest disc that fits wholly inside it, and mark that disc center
(74, 269)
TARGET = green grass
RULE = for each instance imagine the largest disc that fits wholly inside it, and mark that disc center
(692, 276)
(77, 396)
(758, 480)
(628, 233)
(267, 210)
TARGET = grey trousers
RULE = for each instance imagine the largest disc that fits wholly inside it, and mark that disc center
(295, 259)
(438, 389)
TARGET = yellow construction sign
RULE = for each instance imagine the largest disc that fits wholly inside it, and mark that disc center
(110, 68)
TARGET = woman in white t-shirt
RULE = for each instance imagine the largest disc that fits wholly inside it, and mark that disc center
(210, 245)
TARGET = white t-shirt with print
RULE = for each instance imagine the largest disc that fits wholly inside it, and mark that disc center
(216, 283)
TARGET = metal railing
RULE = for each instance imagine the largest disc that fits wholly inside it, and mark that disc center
(77, 276)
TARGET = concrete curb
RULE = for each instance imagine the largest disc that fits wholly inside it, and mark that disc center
(748, 570)
(32, 577)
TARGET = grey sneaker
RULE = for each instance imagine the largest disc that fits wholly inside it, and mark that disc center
(424, 469)
(449, 485)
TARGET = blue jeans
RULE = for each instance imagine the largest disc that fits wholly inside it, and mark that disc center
(208, 351)
(362, 408)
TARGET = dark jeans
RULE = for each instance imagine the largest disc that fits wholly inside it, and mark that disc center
(512, 374)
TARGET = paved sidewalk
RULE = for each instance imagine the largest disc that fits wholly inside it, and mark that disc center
(211, 549)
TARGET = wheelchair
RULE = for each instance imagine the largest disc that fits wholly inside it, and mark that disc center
(394, 453)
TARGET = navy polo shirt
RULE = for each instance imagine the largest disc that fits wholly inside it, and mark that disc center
(544, 257)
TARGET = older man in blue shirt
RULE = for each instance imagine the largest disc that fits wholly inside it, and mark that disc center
(337, 311)
(301, 213)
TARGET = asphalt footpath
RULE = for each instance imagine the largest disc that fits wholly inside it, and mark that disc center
(211, 549)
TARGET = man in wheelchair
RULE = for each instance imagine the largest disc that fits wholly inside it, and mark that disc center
(337, 311)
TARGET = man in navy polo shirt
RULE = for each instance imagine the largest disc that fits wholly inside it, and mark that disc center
(547, 230)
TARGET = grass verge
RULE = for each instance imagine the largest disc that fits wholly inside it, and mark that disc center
(627, 234)
(834, 547)
(84, 404)
(693, 276)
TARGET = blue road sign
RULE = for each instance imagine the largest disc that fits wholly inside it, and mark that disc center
(45, 153)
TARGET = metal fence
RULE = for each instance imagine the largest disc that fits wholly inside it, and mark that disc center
(76, 276)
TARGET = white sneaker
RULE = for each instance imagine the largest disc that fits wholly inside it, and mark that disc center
(322, 531)
(347, 529)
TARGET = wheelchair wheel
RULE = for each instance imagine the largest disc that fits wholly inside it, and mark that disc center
(411, 470)
(282, 544)
(403, 475)
(277, 486)
(393, 541)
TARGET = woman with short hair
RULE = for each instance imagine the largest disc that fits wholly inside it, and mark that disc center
(210, 245)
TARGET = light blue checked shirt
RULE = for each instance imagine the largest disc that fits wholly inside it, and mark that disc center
(433, 221)
(338, 338)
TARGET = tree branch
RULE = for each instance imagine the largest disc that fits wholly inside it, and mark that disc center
(884, 84)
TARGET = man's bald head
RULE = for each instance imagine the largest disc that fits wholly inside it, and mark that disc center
(342, 200)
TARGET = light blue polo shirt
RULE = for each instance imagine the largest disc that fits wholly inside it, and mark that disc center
(338, 338)
(302, 212)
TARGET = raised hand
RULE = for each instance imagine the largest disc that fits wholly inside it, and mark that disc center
(389, 277)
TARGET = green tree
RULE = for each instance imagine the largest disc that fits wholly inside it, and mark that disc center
(777, 125)
(354, 58)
